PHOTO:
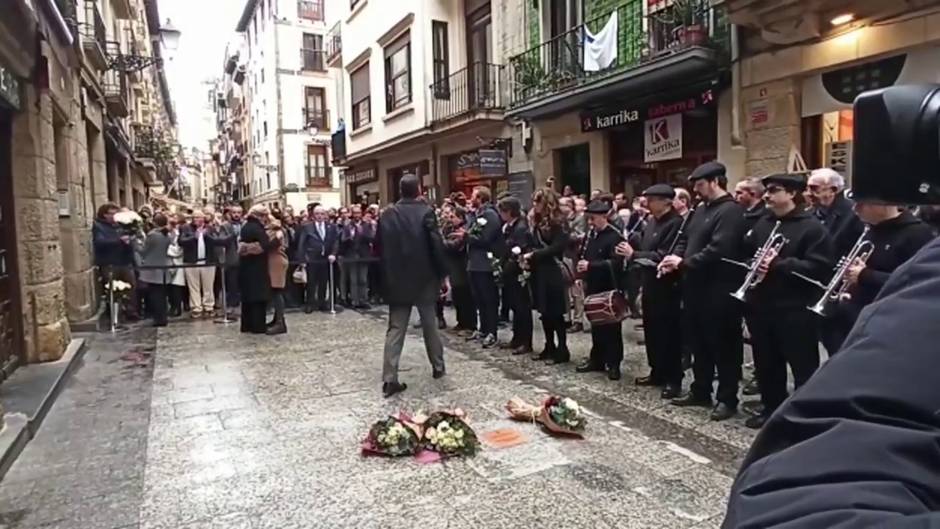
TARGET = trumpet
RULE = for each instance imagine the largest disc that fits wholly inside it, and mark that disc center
(837, 288)
(775, 241)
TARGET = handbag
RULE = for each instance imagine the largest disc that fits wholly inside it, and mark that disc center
(564, 265)
(606, 308)
(300, 275)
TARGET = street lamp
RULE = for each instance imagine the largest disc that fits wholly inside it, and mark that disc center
(170, 36)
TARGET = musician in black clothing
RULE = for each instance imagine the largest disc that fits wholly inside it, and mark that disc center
(896, 235)
(600, 265)
(750, 194)
(713, 318)
(783, 331)
(518, 242)
(661, 295)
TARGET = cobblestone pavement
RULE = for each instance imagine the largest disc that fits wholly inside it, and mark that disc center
(260, 432)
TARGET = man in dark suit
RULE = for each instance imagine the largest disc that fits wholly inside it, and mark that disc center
(412, 261)
(518, 242)
(319, 241)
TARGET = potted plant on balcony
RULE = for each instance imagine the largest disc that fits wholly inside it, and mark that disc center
(688, 16)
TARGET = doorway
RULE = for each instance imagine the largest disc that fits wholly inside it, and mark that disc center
(574, 164)
(11, 335)
(481, 82)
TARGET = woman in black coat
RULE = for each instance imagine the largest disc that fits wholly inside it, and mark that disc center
(548, 283)
(253, 278)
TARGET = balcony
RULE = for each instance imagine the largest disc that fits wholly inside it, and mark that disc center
(334, 45)
(676, 44)
(114, 86)
(311, 10)
(319, 177)
(475, 89)
(316, 118)
(338, 146)
(94, 36)
(313, 60)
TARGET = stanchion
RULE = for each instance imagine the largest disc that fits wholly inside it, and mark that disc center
(332, 290)
(111, 308)
(224, 320)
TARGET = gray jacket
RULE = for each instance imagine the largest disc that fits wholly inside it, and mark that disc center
(226, 243)
(154, 253)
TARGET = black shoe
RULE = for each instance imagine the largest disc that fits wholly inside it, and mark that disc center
(280, 328)
(508, 345)
(441, 325)
(473, 337)
(752, 407)
(522, 350)
(647, 381)
(547, 354)
(438, 374)
(693, 400)
(686, 362)
(671, 391)
(270, 324)
(613, 373)
(561, 356)
(308, 310)
(576, 327)
(751, 388)
(588, 367)
(723, 412)
(489, 341)
(756, 422)
(391, 388)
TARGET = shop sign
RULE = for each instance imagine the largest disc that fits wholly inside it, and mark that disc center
(9, 88)
(758, 113)
(522, 185)
(492, 163)
(361, 176)
(663, 138)
(609, 118)
(839, 157)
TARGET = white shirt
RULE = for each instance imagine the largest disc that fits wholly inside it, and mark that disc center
(200, 246)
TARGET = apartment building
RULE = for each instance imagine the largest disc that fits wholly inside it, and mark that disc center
(289, 94)
(424, 91)
(229, 150)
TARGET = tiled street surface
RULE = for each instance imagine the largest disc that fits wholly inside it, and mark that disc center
(233, 431)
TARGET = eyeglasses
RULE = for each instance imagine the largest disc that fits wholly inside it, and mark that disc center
(774, 189)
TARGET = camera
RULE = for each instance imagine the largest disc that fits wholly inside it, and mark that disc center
(896, 156)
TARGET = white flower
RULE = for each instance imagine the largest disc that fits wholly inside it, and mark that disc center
(481, 221)
(120, 286)
(443, 425)
(459, 434)
(516, 250)
(489, 255)
(127, 217)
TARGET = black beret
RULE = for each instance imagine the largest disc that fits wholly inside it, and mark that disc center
(710, 170)
(599, 207)
(660, 190)
(790, 181)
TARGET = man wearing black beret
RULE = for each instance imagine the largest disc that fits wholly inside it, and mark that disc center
(661, 295)
(712, 317)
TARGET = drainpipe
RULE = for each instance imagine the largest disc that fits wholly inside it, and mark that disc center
(279, 136)
(736, 140)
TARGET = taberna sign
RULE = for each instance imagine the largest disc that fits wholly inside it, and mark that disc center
(650, 109)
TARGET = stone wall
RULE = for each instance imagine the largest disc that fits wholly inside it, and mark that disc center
(768, 141)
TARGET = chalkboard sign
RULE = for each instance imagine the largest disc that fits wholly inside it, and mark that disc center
(492, 163)
(521, 186)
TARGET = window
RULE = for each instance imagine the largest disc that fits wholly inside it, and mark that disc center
(310, 10)
(318, 170)
(265, 129)
(398, 73)
(441, 59)
(361, 97)
(315, 114)
(312, 55)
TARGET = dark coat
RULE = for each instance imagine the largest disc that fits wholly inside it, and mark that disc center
(455, 254)
(109, 249)
(253, 277)
(713, 232)
(226, 242)
(310, 247)
(411, 253)
(656, 242)
(189, 242)
(515, 235)
(154, 253)
(859, 444)
(489, 240)
(752, 215)
(843, 224)
(808, 251)
(356, 240)
(547, 282)
(603, 264)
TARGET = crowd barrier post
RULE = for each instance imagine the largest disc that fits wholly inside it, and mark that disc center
(332, 290)
(111, 305)
(224, 320)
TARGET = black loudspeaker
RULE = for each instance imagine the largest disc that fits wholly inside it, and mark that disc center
(897, 145)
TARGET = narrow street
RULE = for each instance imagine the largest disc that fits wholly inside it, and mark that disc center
(198, 426)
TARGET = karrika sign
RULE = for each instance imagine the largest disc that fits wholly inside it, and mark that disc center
(663, 138)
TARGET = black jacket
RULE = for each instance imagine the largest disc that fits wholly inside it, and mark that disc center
(488, 240)
(356, 240)
(657, 240)
(604, 265)
(713, 232)
(752, 215)
(189, 242)
(110, 250)
(253, 278)
(547, 282)
(859, 444)
(311, 248)
(515, 235)
(411, 253)
(895, 241)
(808, 251)
(455, 255)
(842, 223)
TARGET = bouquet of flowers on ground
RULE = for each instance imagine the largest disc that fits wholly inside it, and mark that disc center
(477, 229)
(521, 410)
(563, 415)
(394, 436)
(130, 221)
(449, 435)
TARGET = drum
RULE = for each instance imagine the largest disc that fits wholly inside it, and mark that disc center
(605, 308)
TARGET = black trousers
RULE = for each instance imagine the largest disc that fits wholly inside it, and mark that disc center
(318, 277)
(505, 304)
(485, 295)
(463, 305)
(254, 316)
(232, 289)
(607, 345)
(519, 301)
(662, 330)
(713, 334)
(632, 282)
(781, 337)
(157, 302)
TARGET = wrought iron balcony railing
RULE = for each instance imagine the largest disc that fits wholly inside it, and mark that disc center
(334, 43)
(94, 35)
(313, 60)
(114, 86)
(311, 10)
(476, 88)
(316, 118)
(558, 64)
(319, 177)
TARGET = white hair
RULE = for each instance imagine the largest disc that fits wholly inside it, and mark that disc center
(831, 176)
(258, 210)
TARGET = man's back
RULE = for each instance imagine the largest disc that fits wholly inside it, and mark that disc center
(411, 250)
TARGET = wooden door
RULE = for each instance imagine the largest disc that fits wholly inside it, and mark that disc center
(11, 337)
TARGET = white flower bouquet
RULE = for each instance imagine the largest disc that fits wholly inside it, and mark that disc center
(558, 415)
(394, 436)
(448, 434)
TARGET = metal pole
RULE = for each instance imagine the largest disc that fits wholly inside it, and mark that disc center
(224, 320)
(332, 290)
(111, 308)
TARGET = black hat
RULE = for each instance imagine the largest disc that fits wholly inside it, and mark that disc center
(789, 181)
(660, 190)
(598, 207)
(709, 170)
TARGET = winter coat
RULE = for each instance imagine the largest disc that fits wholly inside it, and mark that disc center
(488, 240)
(658, 240)
(842, 223)
(549, 290)
(713, 232)
(109, 249)
(515, 235)
(411, 253)
(226, 242)
(356, 240)
(752, 215)
(277, 257)
(603, 264)
(189, 242)
(455, 254)
(312, 248)
(154, 252)
(253, 278)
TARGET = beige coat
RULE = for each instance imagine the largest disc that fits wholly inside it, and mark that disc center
(277, 256)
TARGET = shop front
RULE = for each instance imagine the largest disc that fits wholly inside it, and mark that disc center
(363, 185)
(421, 169)
(658, 140)
(478, 167)
(11, 336)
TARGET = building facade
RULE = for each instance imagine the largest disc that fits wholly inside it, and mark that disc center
(289, 101)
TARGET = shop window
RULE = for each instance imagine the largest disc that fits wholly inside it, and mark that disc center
(361, 97)
(398, 73)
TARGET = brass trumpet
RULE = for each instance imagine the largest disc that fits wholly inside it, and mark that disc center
(837, 288)
(775, 241)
